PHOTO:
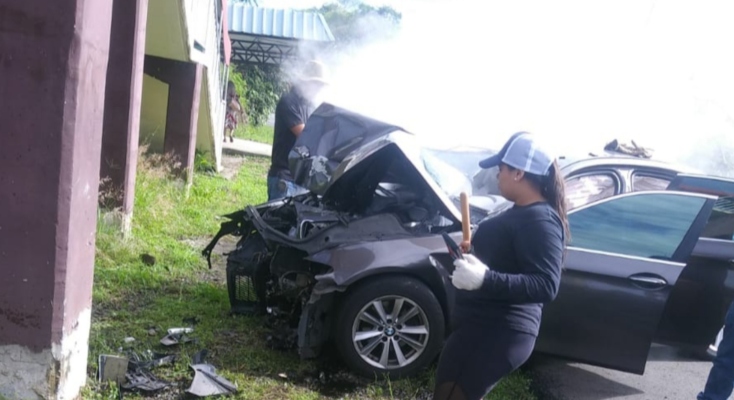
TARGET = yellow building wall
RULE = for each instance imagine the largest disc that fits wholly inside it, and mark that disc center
(154, 105)
(153, 113)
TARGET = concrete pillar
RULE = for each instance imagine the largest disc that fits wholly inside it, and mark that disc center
(53, 62)
(182, 115)
(123, 95)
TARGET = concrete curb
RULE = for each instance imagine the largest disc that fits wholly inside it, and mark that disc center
(241, 146)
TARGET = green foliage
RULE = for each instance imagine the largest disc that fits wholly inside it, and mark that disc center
(203, 162)
(261, 134)
(352, 22)
(240, 84)
(265, 84)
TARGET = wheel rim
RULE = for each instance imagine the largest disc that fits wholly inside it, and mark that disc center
(390, 332)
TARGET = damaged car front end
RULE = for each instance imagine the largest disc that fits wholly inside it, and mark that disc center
(359, 259)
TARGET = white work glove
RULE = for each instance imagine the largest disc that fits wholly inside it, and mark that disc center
(469, 273)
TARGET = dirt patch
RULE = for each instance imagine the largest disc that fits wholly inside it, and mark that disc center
(219, 259)
(231, 165)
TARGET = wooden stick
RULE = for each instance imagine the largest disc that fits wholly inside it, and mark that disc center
(465, 222)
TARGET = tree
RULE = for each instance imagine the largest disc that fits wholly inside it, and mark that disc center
(262, 85)
(354, 23)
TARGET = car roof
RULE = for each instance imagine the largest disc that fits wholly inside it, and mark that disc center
(608, 159)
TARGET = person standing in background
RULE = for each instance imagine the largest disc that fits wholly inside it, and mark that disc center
(291, 115)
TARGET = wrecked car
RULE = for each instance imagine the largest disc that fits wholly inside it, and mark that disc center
(359, 259)
(351, 260)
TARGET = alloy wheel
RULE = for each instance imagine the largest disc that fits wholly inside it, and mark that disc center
(390, 332)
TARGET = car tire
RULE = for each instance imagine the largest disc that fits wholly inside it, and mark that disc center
(359, 327)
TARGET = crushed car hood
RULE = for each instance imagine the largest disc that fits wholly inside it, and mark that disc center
(344, 156)
(332, 134)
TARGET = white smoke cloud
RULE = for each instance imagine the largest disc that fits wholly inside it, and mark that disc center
(578, 73)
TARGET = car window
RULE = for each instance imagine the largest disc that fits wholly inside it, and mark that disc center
(703, 184)
(585, 189)
(448, 178)
(641, 182)
(721, 223)
(650, 225)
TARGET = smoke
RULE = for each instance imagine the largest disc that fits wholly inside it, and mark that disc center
(576, 73)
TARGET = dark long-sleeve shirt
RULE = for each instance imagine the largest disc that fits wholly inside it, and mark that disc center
(523, 248)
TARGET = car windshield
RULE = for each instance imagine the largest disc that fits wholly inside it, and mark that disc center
(451, 181)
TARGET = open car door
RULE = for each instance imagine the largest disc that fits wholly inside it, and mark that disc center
(625, 256)
(698, 304)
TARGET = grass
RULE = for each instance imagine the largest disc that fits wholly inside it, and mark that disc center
(133, 298)
(262, 134)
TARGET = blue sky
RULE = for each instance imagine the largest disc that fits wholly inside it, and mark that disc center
(578, 72)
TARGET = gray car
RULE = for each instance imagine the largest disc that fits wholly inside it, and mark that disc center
(359, 260)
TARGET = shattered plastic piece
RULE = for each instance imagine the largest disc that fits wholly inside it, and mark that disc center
(170, 340)
(199, 357)
(144, 381)
(156, 360)
(112, 368)
(208, 383)
(176, 336)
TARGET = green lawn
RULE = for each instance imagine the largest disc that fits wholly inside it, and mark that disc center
(262, 134)
(132, 297)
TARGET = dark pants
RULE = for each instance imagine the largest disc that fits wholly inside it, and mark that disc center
(721, 378)
(475, 358)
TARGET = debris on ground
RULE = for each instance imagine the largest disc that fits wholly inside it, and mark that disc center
(281, 335)
(112, 368)
(133, 370)
(206, 381)
(147, 259)
(176, 336)
(143, 381)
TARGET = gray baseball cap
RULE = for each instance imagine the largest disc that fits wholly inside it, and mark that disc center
(523, 152)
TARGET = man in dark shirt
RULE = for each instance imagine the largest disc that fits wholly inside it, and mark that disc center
(291, 114)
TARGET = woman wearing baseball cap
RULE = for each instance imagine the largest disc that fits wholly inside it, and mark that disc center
(515, 269)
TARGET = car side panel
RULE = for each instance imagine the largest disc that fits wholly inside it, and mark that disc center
(601, 316)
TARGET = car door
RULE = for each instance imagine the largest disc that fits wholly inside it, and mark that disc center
(698, 303)
(624, 257)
